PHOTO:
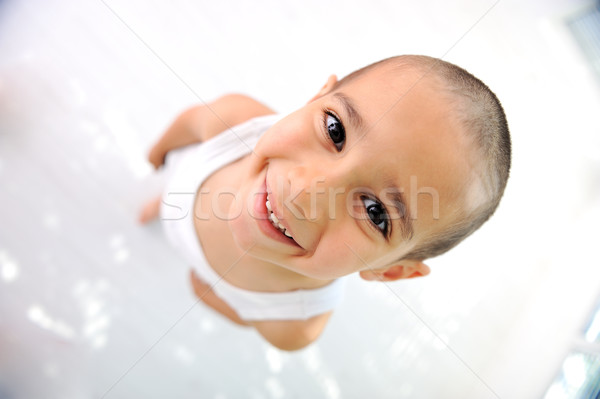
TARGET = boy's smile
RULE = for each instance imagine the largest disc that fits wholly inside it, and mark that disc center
(266, 217)
(357, 177)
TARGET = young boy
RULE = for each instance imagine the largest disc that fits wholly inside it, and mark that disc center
(396, 163)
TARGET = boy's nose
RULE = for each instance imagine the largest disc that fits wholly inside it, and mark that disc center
(316, 193)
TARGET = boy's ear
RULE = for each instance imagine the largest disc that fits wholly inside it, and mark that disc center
(331, 81)
(406, 269)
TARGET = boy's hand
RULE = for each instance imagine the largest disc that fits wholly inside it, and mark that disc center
(185, 130)
(157, 156)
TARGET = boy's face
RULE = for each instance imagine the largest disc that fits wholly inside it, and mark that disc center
(357, 177)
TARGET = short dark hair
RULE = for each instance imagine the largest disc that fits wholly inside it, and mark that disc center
(479, 112)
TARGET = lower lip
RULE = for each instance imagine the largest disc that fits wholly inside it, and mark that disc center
(264, 223)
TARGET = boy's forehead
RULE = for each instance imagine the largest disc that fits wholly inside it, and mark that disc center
(401, 101)
(391, 85)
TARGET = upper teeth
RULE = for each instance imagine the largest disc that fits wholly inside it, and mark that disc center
(274, 220)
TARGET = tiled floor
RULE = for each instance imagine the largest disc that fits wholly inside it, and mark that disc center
(93, 305)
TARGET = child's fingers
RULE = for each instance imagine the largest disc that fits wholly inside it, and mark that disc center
(183, 131)
(157, 156)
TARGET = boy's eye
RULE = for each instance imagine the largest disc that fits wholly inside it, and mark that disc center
(377, 214)
(335, 130)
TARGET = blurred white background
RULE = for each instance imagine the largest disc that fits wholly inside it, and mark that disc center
(92, 305)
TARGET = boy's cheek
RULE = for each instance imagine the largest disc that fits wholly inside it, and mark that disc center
(344, 257)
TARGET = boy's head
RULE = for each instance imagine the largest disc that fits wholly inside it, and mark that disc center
(396, 163)
(481, 118)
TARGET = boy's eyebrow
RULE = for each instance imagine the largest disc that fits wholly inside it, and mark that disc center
(355, 118)
(398, 202)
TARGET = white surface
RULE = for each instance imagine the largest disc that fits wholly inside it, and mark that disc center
(92, 304)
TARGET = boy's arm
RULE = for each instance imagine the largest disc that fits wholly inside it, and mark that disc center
(204, 292)
(202, 122)
(286, 335)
